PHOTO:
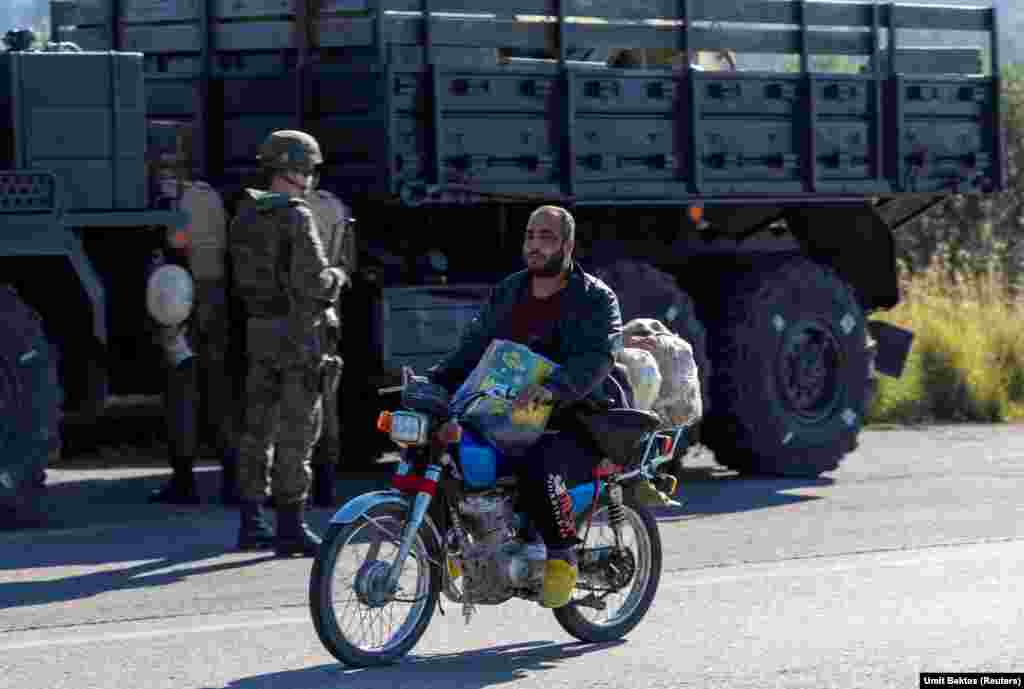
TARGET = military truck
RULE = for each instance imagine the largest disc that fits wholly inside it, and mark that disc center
(81, 229)
(767, 198)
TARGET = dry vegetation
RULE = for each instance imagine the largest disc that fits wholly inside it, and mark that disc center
(967, 362)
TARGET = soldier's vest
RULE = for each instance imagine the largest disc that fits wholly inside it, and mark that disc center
(261, 254)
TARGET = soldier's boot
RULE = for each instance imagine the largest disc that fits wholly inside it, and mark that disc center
(229, 478)
(181, 489)
(293, 534)
(324, 478)
(254, 533)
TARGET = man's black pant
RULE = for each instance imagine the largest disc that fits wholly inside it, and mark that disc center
(557, 462)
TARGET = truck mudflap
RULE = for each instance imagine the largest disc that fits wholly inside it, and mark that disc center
(891, 347)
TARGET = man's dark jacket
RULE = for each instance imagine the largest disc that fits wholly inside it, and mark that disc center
(583, 342)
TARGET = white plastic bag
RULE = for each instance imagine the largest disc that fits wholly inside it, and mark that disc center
(643, 374)
(679, 400)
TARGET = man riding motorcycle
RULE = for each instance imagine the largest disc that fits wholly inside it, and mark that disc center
(571, 317)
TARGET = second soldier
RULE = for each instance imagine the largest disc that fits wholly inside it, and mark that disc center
(282, 276)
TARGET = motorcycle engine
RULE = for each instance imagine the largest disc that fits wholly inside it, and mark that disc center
(495, 565)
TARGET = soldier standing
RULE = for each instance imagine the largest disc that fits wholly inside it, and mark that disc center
(283, 278)
(198, 391)
(335, 224)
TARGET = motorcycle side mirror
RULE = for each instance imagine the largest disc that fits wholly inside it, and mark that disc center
(407, 376)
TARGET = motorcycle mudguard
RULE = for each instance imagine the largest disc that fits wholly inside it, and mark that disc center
(361, 504)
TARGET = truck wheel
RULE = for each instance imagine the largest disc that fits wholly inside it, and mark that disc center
(790, 371)
(30, 399)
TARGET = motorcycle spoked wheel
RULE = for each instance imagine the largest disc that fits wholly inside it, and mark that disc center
(642, 538)
(339, 597)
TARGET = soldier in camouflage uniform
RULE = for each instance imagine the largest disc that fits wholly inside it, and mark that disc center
(282, 276)
(198, 392)
(335, 224)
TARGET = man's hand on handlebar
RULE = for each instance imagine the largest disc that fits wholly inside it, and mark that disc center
(532, 394)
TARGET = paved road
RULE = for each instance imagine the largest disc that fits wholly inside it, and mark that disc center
(908, 558)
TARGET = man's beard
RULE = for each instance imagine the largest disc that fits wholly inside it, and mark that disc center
(307, 189)
(552, 267)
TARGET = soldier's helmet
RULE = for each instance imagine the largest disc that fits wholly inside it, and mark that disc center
(290, 150)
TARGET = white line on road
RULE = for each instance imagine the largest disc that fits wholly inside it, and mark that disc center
(78, 640)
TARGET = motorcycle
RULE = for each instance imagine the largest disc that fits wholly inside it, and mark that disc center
(449, 525)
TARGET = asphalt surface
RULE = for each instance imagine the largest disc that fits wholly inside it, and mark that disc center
(908, 558)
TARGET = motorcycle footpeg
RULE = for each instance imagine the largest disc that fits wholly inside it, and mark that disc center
(667, 484)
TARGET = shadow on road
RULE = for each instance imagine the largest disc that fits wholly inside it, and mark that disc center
(466, 670)
(83, 494)
(23, 594)
(707, 491)
(79, 498)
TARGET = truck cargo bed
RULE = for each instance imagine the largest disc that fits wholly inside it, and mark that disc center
(433, 111)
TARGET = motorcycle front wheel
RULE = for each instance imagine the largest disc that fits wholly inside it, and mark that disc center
(354, 616)
(626, 606)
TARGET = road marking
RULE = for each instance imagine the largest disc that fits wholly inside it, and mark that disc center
(78, 640)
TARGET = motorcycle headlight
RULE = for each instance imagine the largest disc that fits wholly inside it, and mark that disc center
(409, 428)
(169, 295)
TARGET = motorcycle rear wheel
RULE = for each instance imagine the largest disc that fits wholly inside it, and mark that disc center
(360, 600)
(643, 586)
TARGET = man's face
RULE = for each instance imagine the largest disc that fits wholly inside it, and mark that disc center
(302, 181)
(544, 250)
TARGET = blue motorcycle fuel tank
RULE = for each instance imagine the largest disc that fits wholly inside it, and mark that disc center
(482, 465)
(480, 462)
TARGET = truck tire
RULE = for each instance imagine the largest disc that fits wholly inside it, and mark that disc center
(790, 371)
(30, 400)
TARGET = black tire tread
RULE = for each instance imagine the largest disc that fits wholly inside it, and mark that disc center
(574, 623)
(36, 441)
(321, 611)
(735, 430)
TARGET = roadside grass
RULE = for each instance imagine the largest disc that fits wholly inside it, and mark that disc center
(967, 360)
